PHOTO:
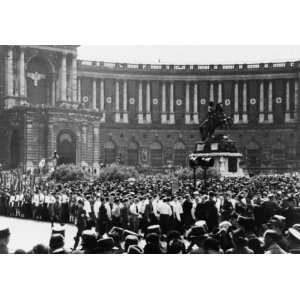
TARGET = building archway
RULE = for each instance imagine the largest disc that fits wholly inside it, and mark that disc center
(66, 147)
(133, 154)
(39, 77)
(15, 149)
(180, 154)
(110, 152)
(156, 154)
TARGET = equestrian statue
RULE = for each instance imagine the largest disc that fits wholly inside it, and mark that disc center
(216, 119)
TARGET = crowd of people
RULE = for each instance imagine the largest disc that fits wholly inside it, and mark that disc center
(253, 215)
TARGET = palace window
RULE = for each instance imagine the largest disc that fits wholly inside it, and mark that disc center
(109, 152)
(278, 152)
(253, 154)
(180, 154)
(156, 154)
(133, 154)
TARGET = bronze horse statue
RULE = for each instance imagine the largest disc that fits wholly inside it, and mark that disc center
(216, 120)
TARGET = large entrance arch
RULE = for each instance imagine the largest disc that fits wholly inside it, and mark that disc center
(66, 147)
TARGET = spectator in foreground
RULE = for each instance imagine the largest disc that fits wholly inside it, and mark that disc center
(4, 240)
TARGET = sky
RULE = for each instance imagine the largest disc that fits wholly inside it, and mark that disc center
(190, 54)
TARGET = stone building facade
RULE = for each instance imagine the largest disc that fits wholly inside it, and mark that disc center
(94, 112)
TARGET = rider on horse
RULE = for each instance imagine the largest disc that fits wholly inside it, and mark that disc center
(216, 119)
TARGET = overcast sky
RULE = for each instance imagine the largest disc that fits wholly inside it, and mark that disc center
(190, 54)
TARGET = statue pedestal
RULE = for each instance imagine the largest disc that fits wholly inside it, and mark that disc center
(227, 164)
(227, 160)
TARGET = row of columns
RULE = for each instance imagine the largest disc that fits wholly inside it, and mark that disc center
(167, 116)
(68, 90)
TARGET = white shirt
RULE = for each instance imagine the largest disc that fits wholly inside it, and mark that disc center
(177, 210)
(41, 198)
(96, 207)
(116, 210)
(64, 198)
(47, 199)
(155, 204)
(133, 209)
(165, 209)
(35, 199)
(87, 207)
(108, 210)
(52, 199)
(12, 199)
(142, 205)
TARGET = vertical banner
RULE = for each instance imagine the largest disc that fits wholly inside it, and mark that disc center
(179, 102)
(253, 101)
(156, 102)
(279, 101)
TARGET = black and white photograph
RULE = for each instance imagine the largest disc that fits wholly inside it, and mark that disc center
(101, 157)
(162, 128)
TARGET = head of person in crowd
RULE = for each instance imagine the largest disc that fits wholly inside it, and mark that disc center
(4, 240)
(106, 246)
(294, 239)
(211, 246)
(152, 244)
(20, 251)
(129, 241)
(240, 243)
(88, 241)
(40, 249)
(271, 240)
(256, 245)
(135, 249)
(57, 243)
(176, 246)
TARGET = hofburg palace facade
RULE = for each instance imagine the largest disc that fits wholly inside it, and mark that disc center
(94, 112)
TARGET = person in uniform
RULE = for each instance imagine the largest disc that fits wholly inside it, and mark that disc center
(134, 216)
(81, 222)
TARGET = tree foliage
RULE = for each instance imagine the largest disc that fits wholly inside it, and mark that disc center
(117, 172)
(68, 172)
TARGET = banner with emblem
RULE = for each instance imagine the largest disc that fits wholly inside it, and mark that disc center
(109, 99)
(179, 107)
(228, 98)
(279, 101)
(132, 98)
(253, 101)
(156, 102)
(203, 100)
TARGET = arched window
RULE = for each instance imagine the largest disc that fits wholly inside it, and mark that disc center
(278, 152)
(109, 152)
(133, 154)
(180, 154)
(156, 154)
(253, 154)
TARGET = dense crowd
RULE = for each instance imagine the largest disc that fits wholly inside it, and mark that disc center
(257, 215)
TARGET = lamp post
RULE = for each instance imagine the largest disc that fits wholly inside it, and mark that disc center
(204, 163)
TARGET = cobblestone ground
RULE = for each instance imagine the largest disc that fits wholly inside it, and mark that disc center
(27, 233)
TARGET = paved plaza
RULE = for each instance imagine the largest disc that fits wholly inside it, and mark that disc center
(27, 233)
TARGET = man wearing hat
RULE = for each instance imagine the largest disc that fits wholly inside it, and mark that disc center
(294, 239)
(4, 240)
(271, 238)
(81, 222)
